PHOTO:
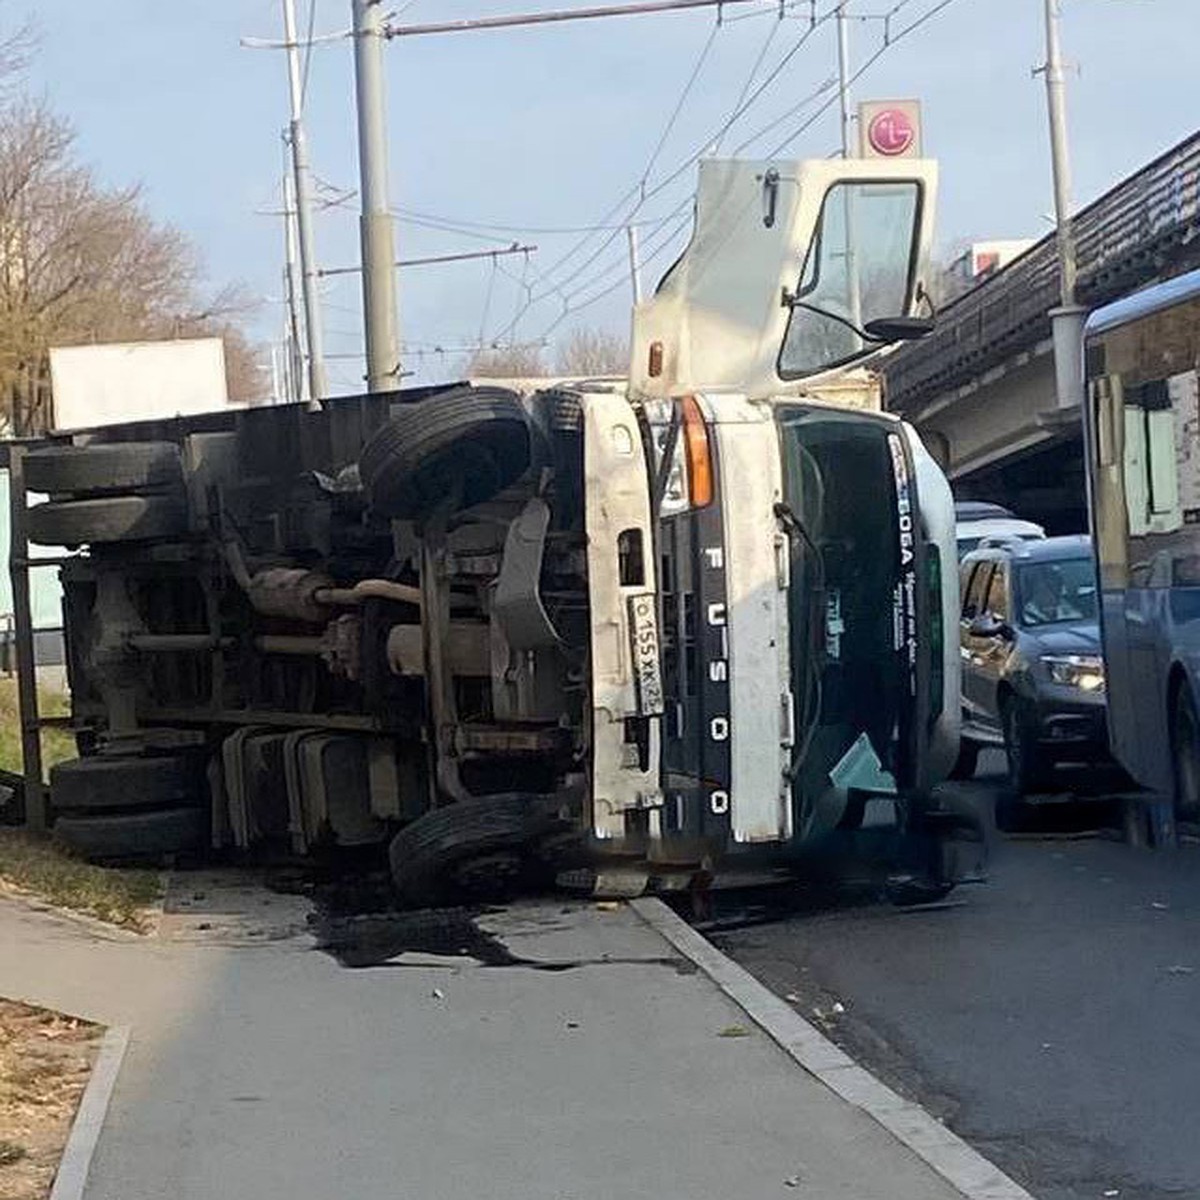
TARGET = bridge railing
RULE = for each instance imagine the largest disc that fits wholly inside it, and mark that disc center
(1144, 228)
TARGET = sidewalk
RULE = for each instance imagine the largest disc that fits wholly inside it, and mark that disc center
(270, 1071)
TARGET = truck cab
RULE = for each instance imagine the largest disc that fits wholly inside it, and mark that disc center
(802, 541)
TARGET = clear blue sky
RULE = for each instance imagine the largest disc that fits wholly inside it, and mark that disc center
(547, 128)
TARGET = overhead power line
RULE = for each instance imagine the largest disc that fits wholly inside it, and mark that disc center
(643, 194)
(553, 17)
(431, 259)
(458, 224)
(570, 304)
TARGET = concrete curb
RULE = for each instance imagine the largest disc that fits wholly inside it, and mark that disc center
(946, 1153)
(76, 1160)
(101, 930)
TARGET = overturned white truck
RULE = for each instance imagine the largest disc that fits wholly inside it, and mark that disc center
(637, 633)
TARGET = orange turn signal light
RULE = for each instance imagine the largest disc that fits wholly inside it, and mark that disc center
(699, 457)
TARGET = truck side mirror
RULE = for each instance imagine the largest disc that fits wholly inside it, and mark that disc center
(898, 329)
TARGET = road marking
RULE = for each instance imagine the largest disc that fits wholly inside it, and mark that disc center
(76, 1161)
(945, 1152)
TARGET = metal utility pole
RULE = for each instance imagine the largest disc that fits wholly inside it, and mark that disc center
(295, 374)
(635, 263)
(843, 36)
(1056, 102)
(300, 171)
(1066, 321)
(853, 291)
(375, 222)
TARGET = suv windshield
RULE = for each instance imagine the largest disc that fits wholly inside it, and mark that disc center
(1050, 593)
(859, 269)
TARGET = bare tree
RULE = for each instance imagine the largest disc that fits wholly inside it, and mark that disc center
(507, 362)
(81, 263)
(594, 352)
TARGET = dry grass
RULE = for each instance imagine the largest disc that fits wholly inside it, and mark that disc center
(57, 744)
(45, 1061)
(34, 865)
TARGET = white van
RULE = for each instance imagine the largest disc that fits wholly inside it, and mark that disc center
(975, 520)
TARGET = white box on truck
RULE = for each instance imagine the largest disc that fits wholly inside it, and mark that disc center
(136, 381)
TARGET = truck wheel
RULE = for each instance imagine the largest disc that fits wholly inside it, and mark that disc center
(1185, 753)
(116, 467)
(100, 784)
(440, 853)
(133, 835)
(967, 761)
(106, 519)
(562, 412)
(473, 444)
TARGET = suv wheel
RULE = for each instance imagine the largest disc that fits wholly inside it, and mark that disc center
(1028, 767)
(967, 761)
(1185, 753)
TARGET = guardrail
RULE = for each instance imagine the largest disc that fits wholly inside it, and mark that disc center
(1146, 227)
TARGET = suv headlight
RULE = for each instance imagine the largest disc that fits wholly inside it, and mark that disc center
(1082, 671)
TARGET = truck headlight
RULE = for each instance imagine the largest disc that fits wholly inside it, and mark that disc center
(1082, 671)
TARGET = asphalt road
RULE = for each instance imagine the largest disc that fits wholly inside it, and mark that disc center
(1051, 1015)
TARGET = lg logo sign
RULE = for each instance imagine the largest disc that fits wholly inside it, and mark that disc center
(889, 129)
(891, 132)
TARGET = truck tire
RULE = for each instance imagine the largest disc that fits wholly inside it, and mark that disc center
(133, 835)
(106, 519)
(115, 467)
(562, 412)
(473, 443)
(427, 855)
(99, 784)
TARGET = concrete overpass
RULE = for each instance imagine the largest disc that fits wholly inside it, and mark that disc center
(981, 387)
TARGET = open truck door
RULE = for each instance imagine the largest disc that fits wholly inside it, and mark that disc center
(794, 273)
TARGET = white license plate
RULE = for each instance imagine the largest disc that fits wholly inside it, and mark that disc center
(647, 670)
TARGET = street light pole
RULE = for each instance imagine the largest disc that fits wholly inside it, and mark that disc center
(314, 332)
(1067, 320)
(375, 222)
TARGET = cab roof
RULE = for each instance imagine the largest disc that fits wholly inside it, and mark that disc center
(1051, 549)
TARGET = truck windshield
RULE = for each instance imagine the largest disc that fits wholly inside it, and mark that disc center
(860, 268)
(845, 604)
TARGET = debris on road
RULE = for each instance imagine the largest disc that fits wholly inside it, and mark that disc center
(734, 1031)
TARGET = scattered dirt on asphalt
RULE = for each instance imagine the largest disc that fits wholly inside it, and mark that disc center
(45, 1061)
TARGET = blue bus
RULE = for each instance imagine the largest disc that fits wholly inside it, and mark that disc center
(1142, 430)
